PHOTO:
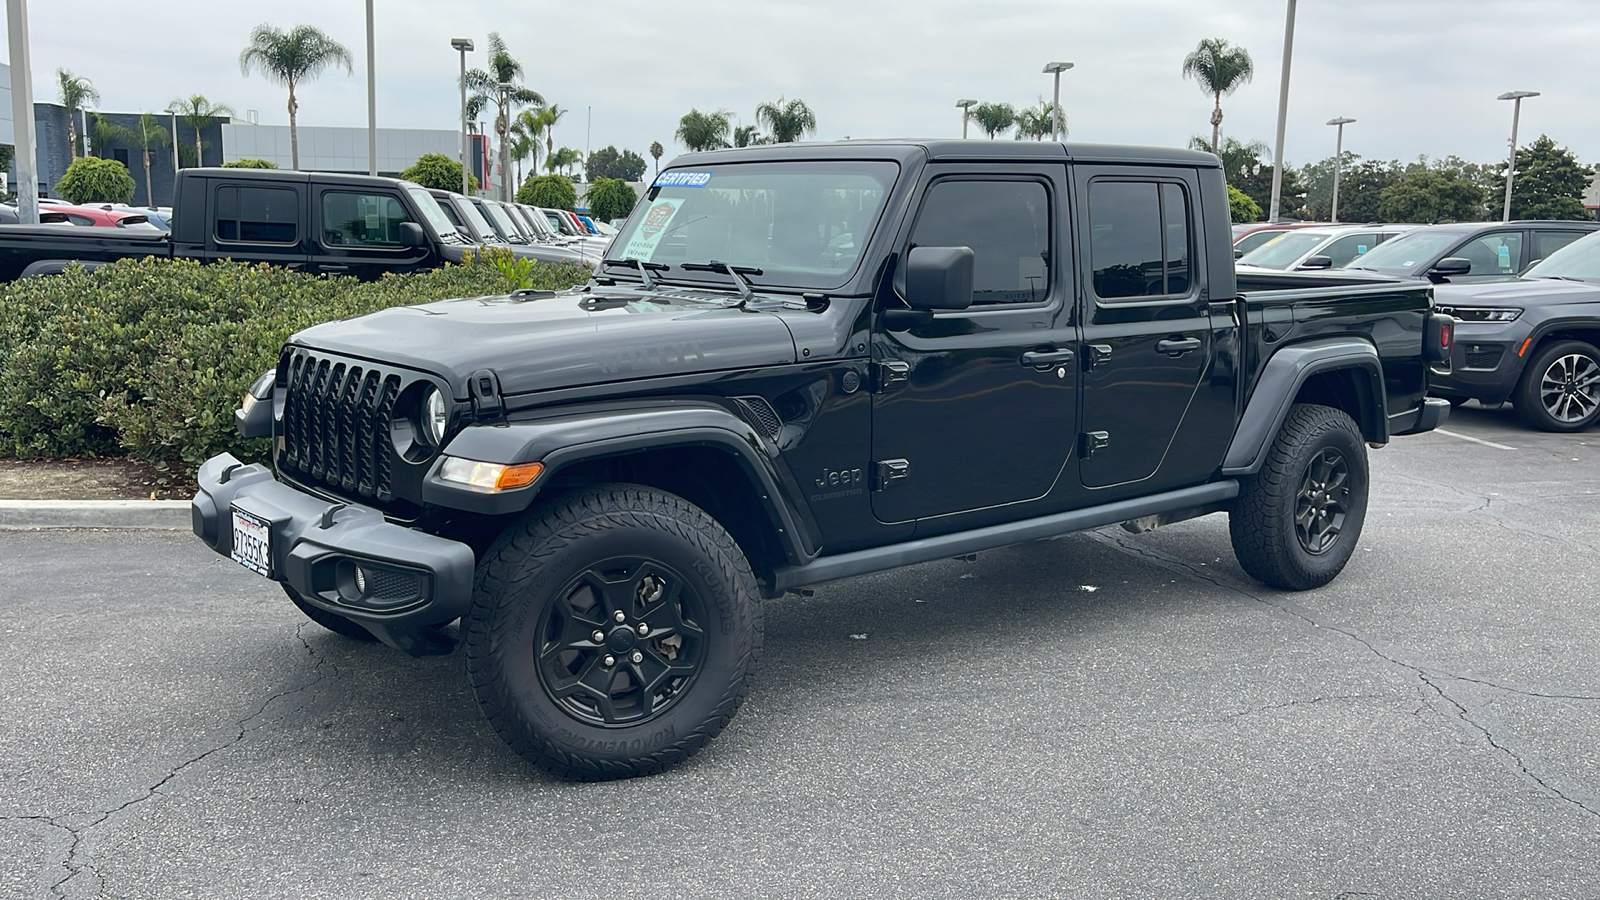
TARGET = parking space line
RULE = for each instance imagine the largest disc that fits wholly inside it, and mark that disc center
(1468, 437)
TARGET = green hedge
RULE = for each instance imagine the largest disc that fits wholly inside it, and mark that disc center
(149, 357)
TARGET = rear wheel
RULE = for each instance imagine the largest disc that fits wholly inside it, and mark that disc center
(332, 621)
(1297, 521)
(613, 632)
(1560, 389)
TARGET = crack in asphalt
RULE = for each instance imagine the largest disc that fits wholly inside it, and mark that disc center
(79, 833)
(1488, 511)
(1421, 672)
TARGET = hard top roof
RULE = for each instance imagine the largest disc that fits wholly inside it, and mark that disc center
(295, 175)
(952, 151)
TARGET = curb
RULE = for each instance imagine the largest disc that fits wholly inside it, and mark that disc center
(32, 514)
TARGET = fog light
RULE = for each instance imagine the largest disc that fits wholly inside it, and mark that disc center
(489, 476)
(361, 581)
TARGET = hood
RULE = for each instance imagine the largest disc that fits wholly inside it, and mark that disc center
(1522, 292)
(539, 341)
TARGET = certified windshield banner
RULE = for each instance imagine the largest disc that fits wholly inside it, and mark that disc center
(642, 245)
(683, 179)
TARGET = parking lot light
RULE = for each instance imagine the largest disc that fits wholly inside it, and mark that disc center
(1056, 68)
(1511, 167)
(966, 114)
(464, 45)
(1338, 162)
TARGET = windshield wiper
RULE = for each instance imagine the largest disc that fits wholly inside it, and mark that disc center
(643, 267)
(734, 272)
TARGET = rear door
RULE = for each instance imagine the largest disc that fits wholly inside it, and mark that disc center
(258, 221)
(1147, 325)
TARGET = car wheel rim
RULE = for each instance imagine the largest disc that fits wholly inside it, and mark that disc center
(621, 643)
(1323, 502)
(1570, 388)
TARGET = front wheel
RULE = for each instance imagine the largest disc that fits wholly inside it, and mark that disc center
(613, 632)
(1560, 389)
(1297, 521)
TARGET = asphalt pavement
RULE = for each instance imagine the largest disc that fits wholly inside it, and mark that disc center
(1103, 715)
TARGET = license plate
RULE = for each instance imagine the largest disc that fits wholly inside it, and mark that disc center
(252, 542)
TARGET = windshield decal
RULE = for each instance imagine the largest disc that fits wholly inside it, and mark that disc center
(683, 179)
(642, 245)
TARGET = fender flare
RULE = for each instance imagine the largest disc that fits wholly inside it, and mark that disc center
(1284, 374)
(40, 267)
(564, 440)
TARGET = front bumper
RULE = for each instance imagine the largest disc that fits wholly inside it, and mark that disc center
(412, 582)
(1484, 364)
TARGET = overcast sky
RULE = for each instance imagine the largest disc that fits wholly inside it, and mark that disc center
(1420, 76)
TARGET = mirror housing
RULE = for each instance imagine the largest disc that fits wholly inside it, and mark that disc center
(939, 278)
(1237, 253)
(412, 235)
(1317, 262)
(1451, 265)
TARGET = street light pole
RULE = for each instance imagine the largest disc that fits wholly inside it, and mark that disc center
(1056, 68)
(463, 45)
(1511, 167)
(22, 113)
(173, 111)
(1338, 162)
(372, 100)
(966, 114)
(1283, 113)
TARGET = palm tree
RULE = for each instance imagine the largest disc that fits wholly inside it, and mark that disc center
(499, 84)
(550, 115)
(289, 59)
(788, 122)
(1037, 123)
(198, 112)
(656, 150)
(564, 159)
(747, 135)
(1218, 69)
(76, 93)
(994, 118)
(149, 134)
(103, 133)
(525, 129)
(703, 131)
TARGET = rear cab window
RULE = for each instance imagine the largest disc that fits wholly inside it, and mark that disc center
(257, 215)
(1140, 241)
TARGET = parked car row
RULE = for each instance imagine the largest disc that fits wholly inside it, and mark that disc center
(516, 227)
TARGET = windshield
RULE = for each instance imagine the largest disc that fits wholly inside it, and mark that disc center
(502, 220)
(475, 220)
(437, 220)
(1579, 259)
(800, 223)
(514, 216)
(1282, 251)
(1401, 255)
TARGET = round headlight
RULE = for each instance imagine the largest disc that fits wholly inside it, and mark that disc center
(435, 415)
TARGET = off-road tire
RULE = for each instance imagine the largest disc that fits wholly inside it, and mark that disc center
(332, 621)
(1269, 544)
(556, 573)
(1575, 363)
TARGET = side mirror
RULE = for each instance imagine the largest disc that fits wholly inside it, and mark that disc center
(1317, 262)
(1237, 253)
(939, 277)
(411, 235)
(1451, 265)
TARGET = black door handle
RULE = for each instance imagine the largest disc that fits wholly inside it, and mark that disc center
(1177, 346)
(334, 267)
(1046, 357)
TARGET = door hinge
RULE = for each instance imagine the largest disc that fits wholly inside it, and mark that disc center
(1098, 353)
(889, 373)
(889, 471)
(1090, 441)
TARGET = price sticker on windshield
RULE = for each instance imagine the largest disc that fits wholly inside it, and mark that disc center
(683, 179)
(654, 227)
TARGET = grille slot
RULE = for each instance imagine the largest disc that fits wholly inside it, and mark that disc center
(761, 413)
(336, 424)
(1483, 356)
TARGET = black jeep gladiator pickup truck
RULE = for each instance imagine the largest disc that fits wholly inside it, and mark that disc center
(805, 363)
(315, 222)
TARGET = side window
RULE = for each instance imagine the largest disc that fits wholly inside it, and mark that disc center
(1347, 248)
(1498, 253)
(1548, 242)
(255, 215)
(351, 219)
(1139, 243)
(1007, 225)
(79, 220)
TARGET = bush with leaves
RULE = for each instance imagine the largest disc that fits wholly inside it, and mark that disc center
(548, 191)
(1241, 208)
(435, 170)
(150, 356)
(610, 198)
(250, 164)
(93, 180)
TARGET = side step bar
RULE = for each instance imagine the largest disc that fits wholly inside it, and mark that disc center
(1205, 498)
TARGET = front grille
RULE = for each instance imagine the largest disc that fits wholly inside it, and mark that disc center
(336, 423)
(1483, 356)
(389, 586)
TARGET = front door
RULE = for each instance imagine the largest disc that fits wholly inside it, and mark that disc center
(976, 408)
(1147, 328)
(358, 233)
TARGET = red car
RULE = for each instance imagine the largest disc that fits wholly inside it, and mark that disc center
(105, 218)
(1249, 237)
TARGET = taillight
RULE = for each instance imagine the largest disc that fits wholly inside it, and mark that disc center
(1440, 334)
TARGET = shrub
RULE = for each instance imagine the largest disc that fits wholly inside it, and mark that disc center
(610, 198)
(93, 180)
(1241, 208)
(250, 164)
(549, 191)
(435, 170)
(150, 356)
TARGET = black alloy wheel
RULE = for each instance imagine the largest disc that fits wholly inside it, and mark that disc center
(1323, 501)
(1560, 391)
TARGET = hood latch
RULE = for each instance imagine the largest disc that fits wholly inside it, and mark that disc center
(484, 388)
